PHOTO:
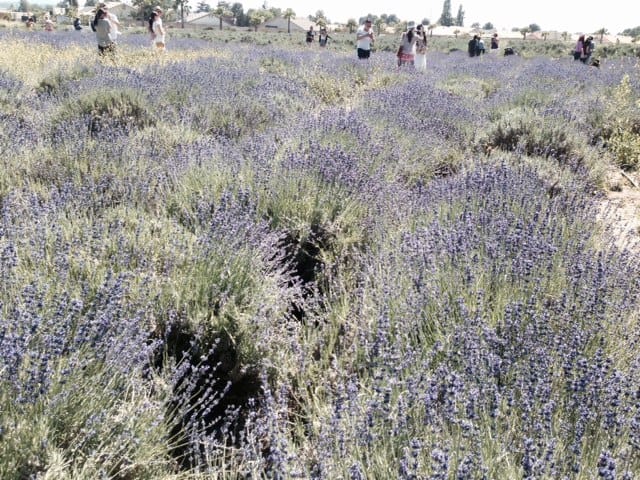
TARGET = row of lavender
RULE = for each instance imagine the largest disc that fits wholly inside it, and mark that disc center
(258, 262)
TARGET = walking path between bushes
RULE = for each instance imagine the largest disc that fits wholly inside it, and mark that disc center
(622, 210)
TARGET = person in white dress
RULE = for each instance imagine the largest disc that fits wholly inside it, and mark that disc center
(421, 49)
(158, 33)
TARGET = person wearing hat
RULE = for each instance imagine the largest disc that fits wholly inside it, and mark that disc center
(407, 50)
(157, 29)
(364, 40)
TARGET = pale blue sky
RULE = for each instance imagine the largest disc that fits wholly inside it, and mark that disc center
(562, 15)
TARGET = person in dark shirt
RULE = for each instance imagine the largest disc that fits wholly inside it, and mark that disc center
(311, 35)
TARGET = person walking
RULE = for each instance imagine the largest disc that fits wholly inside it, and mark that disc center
(472, 46)
(364, 40)
(113, 20)
(158, 33)
(421, 49)
(311, 35)
(323, 37)
(578, 51)
(102, 28)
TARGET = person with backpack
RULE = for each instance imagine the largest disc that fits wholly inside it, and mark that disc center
(407, 51)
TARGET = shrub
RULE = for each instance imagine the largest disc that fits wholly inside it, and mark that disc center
(103, 110)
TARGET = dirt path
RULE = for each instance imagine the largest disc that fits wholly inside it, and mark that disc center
(621, 211)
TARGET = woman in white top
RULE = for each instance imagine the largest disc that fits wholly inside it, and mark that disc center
(157, 29)
(421, 48)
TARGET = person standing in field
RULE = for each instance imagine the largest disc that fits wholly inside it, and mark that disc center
(408, 46)
(157, 30)
(323, 37)
(103, 32)
(364, 40)
(113, 20)
(578, 51)
(495, 43)
(421, 48)
(311, 36)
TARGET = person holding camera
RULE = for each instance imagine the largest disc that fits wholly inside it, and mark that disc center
(364, 40)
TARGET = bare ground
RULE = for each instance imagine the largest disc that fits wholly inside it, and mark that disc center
(620, 211)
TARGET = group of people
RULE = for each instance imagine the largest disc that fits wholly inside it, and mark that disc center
(106, 27)
(412, 51)
(323, 36)
(584, 49)
(105, 24)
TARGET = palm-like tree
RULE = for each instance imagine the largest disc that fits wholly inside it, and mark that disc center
(184, 8)
(431, 27)
(379, 23)
(352, 24)
(524, 31)
(289, 14)
(222, 11)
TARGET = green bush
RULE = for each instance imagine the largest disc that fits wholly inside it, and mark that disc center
(124, 110)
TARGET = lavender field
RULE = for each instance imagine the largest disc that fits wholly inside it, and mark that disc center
(241, 261)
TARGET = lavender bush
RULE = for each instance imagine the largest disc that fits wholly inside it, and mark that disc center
(273, 262)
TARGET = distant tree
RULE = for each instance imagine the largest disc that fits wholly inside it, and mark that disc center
(523, 31)
(90, 3)
(565, 36)
(369, 16)
(392, 19)
(475, 25)
(632, 32)
(544, 35)
(456, 32)
(460, 17)
(319, 18)
(352, 24)
(431, 27)
(239, 18)
(533, 27)
(488, 26)
(203, 7)
(182, 6)
(145, 7)
(256, 17)
(446, 19)
(602, 32)
(221, 11)
(380, 24)
(24, 6)
(425, 21)
(289, 14)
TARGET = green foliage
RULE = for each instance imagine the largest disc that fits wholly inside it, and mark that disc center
(57, 82)
(523, 131)
(621, 129)
(123, 109)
